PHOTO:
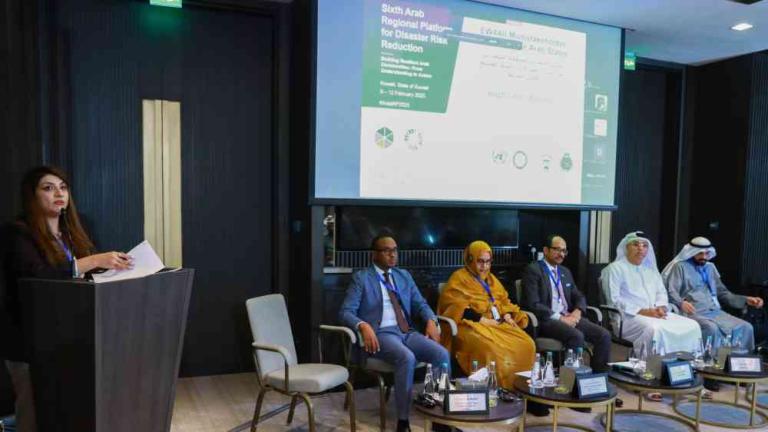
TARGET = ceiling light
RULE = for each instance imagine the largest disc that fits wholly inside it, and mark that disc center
(742, 26)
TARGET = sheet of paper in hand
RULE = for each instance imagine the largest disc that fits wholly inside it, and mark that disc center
(145, 263)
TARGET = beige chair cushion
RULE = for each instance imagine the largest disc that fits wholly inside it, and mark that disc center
(308, 377)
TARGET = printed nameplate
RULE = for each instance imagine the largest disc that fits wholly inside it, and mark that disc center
(466, 402)
(678, 372)
(591, 385)
(745, 364)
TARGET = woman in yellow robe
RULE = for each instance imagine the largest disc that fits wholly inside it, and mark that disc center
(469, 298)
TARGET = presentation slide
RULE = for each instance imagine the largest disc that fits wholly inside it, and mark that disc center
(460, 101)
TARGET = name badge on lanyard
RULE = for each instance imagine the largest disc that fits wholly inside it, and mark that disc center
(705, 278)
(494, 309)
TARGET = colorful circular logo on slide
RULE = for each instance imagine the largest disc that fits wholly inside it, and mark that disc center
(413, 139)
(384, 137)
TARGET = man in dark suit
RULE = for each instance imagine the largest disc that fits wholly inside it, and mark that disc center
(381, 302)
(550, 292)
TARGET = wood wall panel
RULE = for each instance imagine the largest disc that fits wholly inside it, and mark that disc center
(718, 169)
(754, 265)
(639, 164)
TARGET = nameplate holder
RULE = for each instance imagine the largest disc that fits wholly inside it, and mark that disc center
(568, 375)
(464, 384)
(744, 364)
(466, 402)
(682, 356)
(590, 386)
(677, 373)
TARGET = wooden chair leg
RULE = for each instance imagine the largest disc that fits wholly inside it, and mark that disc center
(351, 404)
(310, 411)
(382, 404)
(292, 409)
(257, 410)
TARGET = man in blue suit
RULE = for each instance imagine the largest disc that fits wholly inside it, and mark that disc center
(382, 302)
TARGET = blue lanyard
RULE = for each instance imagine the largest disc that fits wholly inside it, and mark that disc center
(66, 249)
(702, 270)
(390, 286)
(557, 281)
(487, 289)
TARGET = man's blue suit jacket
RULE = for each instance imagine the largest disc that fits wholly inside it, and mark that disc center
(363, 301)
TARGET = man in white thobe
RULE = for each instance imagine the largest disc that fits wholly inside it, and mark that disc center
(694, 285)
(633, 285)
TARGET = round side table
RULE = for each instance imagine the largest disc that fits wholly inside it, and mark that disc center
(548, 396)
(641, 386)
(719, 409)
(504, 413)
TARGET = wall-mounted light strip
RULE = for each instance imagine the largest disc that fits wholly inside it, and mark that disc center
(166, 3)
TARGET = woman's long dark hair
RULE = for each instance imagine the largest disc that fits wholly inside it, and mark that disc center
(33, 216)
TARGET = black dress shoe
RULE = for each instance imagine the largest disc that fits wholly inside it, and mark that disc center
(583, 410)
(403, 426)
(711, 385)
(619, 403)
(437, 427)
(537, 409)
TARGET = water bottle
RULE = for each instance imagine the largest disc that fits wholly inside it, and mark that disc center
(549, 372)
(738, 348)
(493, 385)
(536, 373)
(654, 350)
(444, 378)
(708, 354)
(569, 358)
(429, 381)
(727, 343)
(579, 362)
(475, 366)
(698, 353)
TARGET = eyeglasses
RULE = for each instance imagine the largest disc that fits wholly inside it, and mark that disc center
(47, 187)
(388, 251)
(559, 250)
(484, 262)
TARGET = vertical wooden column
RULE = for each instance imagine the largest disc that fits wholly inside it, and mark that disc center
(162, 178)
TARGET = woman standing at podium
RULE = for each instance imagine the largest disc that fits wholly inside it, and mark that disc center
(47, 241)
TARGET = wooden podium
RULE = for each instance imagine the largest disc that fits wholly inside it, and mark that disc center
(105, 357)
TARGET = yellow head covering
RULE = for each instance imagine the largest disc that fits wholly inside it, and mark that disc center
(473, 252)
